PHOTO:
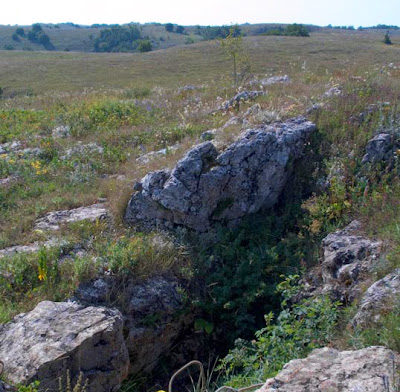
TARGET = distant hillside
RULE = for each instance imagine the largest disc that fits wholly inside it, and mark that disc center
(72, 37)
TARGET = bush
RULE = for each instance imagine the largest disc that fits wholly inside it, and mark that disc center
(118, 39)
(169, 27)
(20, 31)
(15, 37)
(179, 29)
(296, 332)
(386, 39)
(145, 46)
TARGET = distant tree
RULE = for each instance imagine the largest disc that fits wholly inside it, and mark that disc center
(144, 46)
(16, 38)
(169, 27)
(296, 30)
(36, 28)
(20, 31)
(386, 39)
(232, 47)
(180, 29)
(118, 39)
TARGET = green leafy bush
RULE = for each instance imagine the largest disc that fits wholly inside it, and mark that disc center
(298, 329)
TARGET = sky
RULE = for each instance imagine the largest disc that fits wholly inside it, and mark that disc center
(202, 12)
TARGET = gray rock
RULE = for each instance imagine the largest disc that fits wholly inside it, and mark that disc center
(372, 369)
(31, 248)
(83, 149)
(241, 97)
(346, 263)
(6, 148)
(151, 313)
(380, 298)
(4, 182)
(63, 131)
(53, 220)
(152, 155)
(332, 92)
(55, 337)
(208, 186)
(275, 80)
(378, 149)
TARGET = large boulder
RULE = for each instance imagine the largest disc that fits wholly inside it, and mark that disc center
(379, 299)
(208, 186)
(152, 311)
(373, 369)
(58, 337)
(346, 263)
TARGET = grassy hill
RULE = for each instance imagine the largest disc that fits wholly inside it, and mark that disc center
(71, 37)
(325, 52)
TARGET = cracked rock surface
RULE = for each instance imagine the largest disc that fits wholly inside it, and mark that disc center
(372, 369)
(55, 337)
(209, 186)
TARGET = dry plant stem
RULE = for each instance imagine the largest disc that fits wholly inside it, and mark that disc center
(202, 378)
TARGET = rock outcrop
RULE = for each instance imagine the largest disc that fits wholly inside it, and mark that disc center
(380, 298)
(244, 96)
(373, 369)
(208, 186)
(378, 149)
(53, 220)
(151, 310)
(55, 337)
(345, 266)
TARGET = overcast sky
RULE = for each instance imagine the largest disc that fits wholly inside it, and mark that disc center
(203, 12)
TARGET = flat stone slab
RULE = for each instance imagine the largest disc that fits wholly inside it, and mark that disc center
(55, 337)
(31, 248)
(53, 220)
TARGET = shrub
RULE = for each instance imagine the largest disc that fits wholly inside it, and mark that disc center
(179, 29)
(20, 31)
(169, 27)
(297, 331)
(118, 39)
(16, 38)
(144, 46)
(386, 39)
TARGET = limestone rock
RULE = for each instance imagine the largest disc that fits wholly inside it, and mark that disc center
(380, 298)
(150, 310)
(241, 97)
(378, 148)
(53, 220)
(332, 92)
(152, 155)
(63, 131)
(372, 369)
(83, 149)
(208, 186)
(346, 263)
(275, 80)
(55, 337)
(31, 248)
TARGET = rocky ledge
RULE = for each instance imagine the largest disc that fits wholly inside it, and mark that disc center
(209, 186)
